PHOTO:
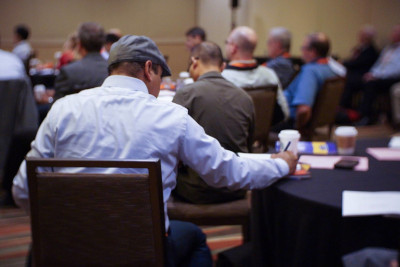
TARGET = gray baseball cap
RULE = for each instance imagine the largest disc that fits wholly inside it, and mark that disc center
(139, 49)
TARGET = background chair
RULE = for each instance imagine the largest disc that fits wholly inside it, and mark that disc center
(230, 213)
(325, 107)
(264, 99)
(92, 219)
(18, 126)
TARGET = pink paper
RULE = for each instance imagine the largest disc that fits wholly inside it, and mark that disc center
(328, 162)
(384, 153)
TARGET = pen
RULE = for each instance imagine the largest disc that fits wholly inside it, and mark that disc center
(287, 146)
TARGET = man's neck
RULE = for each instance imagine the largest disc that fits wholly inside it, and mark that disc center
(207, 69)
(241, 57)
(83, 52)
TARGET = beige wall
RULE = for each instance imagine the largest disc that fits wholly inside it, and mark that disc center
(165, 21)
(340, 19)
(51, 21)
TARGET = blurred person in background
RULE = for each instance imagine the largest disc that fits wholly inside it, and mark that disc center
(243, 70)
(194, 36)
(302, 91)
(88, 72)
(11, 66)
(110, 39)
(69, 53)
(22, 47)
(383, 74)
(363, 56)
(278, 45)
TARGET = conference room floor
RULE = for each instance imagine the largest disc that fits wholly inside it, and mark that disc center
(15, 230)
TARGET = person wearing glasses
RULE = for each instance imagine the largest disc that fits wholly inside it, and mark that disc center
(243, 70)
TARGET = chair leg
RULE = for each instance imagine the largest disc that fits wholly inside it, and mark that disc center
(246, 232)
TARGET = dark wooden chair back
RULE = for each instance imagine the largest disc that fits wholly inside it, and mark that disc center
(96, 219)
(18, 115)
(324, 110)
(264, 99)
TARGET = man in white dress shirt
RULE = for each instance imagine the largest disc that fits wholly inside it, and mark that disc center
(123, 119)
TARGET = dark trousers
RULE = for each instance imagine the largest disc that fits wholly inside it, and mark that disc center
(19, 147)
(371, 91)
(186, 246)
(354, 83)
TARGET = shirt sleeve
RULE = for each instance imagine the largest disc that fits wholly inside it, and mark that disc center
(307, 89)
(222, 168)
(41, 147)
(390, 68)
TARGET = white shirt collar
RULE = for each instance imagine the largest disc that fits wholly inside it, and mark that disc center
(125, 82)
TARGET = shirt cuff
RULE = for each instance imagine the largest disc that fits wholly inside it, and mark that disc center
(282, 166)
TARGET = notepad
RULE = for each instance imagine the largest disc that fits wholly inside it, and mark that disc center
(384, 153)
(328, 162)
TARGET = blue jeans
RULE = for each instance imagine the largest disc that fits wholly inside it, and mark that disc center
(186, 246)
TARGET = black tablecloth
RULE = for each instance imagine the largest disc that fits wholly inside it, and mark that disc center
(299, 223)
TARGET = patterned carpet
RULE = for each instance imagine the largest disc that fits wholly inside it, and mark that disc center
(15, 237)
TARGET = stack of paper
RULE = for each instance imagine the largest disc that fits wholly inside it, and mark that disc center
(254, 155)
(359, 203)
(328, 162)
(384, 153)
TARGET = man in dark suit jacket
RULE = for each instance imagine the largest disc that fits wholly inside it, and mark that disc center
(91, 70)
(363, 57)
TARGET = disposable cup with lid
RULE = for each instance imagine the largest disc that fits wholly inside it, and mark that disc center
(286, 136)
(346, 139)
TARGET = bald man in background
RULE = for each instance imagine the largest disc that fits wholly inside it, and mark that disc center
(243, 70)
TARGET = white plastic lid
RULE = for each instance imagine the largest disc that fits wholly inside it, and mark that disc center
(289, 134)
(346, 131)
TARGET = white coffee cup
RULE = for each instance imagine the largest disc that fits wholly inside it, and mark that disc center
(286, 136)
(346, 139)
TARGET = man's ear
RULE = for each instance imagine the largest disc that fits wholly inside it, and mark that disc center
(78, 46)
(195, 62)
(223, 66)
(147, 70)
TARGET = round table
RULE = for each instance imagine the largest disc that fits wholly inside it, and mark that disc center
(299, 222)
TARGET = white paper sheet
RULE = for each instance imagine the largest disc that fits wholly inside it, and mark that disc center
(255, 155)
(361, 203)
